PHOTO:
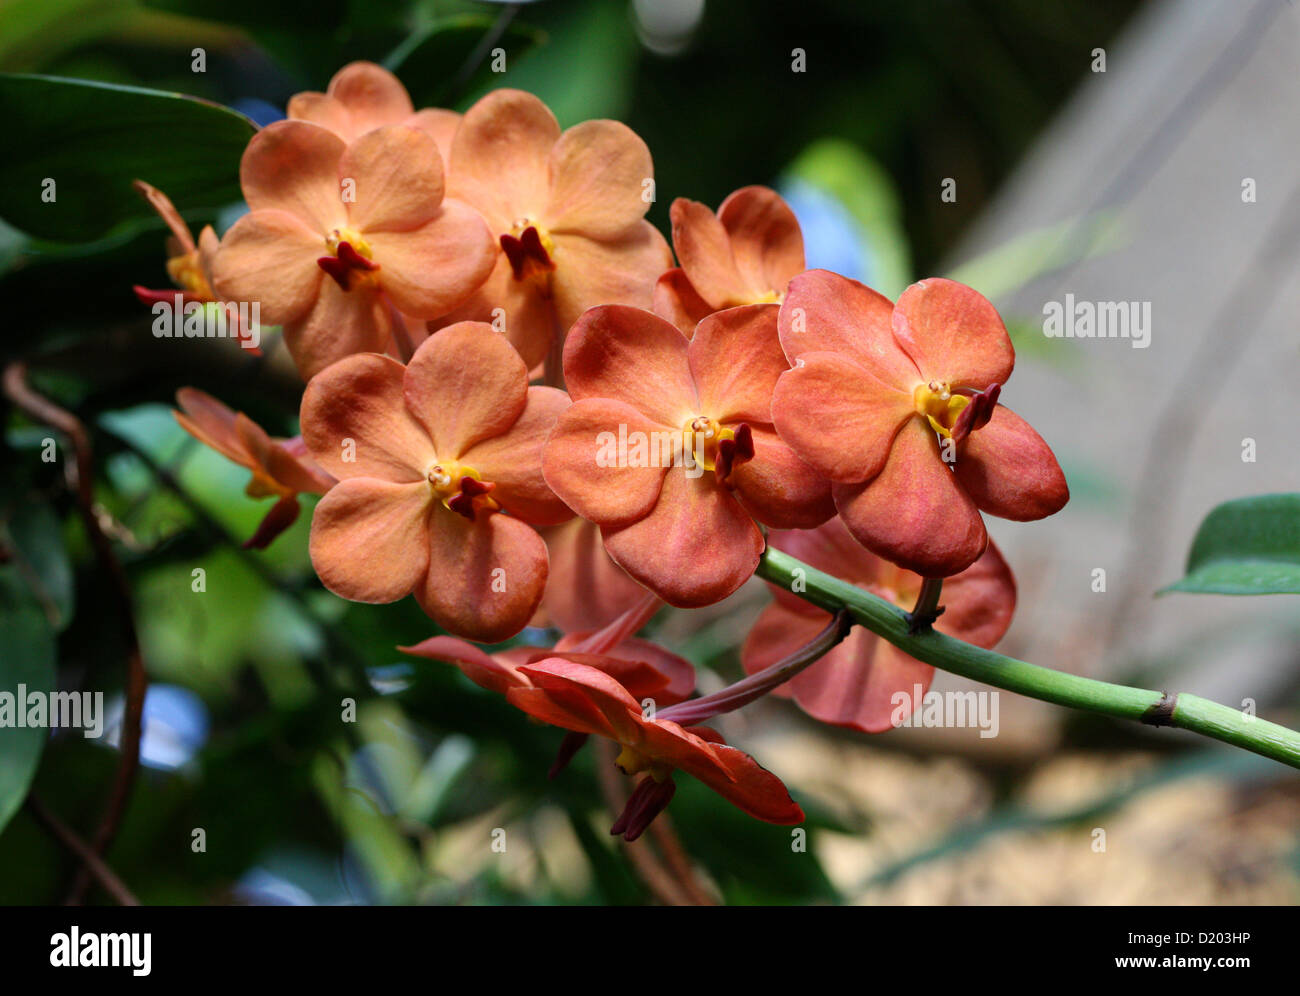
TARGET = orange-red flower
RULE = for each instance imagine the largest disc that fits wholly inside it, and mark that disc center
(341, 238)
(645, 669)
(669, 447)
(585, 589)
(745, 254)
(854, 684)
(281, 467)
(568, 211)
(897, 405)
(439, 467)
(363, 96)
(586, 700)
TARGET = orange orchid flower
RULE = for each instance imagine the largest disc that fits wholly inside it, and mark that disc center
(745, 254)
(281, 467)
(568, 211)
(670, 449)
(897, 405)
(645, 669)
(585, 589)
(854, 683)
(342, 239)
(189, 265)
(363, 96)
(586, 700)
(440, 480)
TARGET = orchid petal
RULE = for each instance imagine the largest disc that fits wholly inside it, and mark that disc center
(369, 539)
(1009, 470)
(953, 334)
(914, 512)
(465, 384)
(696, 547)
(356, 424)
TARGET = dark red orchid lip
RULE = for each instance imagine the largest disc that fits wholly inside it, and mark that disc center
(343, 266)
(526, 253)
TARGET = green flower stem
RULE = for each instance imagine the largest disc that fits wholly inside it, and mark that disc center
(1188, 712)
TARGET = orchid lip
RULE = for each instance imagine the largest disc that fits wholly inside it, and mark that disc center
(718, 447)
(940, 404)
(461, 489)
(529, 250)
(349, 264)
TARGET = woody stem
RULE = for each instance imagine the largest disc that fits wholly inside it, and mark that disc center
(1187, 712)
(927, 609)
(757, 685)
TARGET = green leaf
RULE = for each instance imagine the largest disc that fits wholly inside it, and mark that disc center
(35, 538)
(93, 139)
(1250, 546)
(27, 659)
(39, 30)
(454, 58)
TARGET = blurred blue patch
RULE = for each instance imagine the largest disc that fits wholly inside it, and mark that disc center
(389, 679)
(174, 726)
(832, 238)
(538, 636)
(258, 111)
(293, 876)
(260, 887)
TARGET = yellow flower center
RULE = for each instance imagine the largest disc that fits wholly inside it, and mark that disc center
(938, 403)
(352, 237)
(701, 437)
(187, 274)
(351, 265)
(460, 488)
(632, 762)
(543, 236)
(766, 297)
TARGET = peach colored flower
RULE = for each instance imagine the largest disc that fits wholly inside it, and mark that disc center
(855, 683)
(586, 700)
(745, 254)
(281, 467)
(439, 467)
(897, 405)
(363, 96)
(340, 238)
(670, 448)
(568, 213)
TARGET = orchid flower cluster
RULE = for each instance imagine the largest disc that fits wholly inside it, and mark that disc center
(521, 412)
